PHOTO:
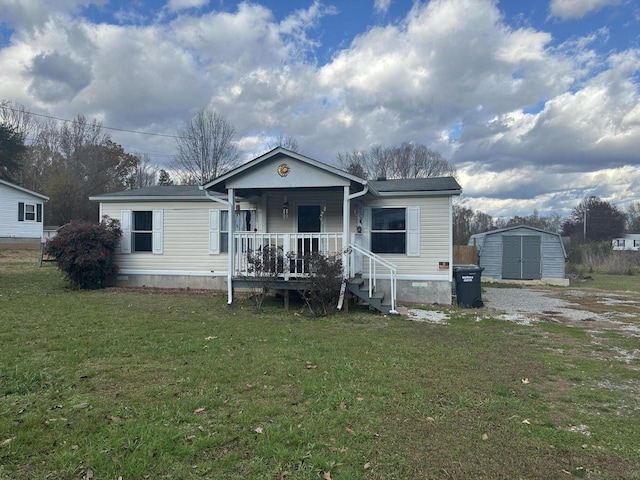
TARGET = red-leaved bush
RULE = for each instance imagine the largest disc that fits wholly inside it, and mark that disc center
(84, 251)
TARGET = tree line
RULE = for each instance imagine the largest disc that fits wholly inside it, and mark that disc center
(73, 160)
(592, 220)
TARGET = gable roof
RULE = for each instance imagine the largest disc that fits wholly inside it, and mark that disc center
(506, 229)
(24, 190)
(220, 181)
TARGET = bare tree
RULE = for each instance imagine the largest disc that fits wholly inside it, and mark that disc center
(633, 217)
(408, 160)
(19, 119)
(284, 141)
(206, 147)
(355, 162)
(145, 173)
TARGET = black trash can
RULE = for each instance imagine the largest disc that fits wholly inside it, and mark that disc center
(468, 286)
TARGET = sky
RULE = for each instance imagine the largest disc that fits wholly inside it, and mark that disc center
(536, 103)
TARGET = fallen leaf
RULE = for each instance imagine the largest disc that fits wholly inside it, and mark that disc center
(343, 406)
(114, 419)
(258, 430)
(350, 430)
(199, 410)
(429, 419)
(326, 476)
(359, 399)
(7, 441)
(526, 421)
(525, 381)
(485, 436)
(367, 465)
(82, 406)
(210, 338)
(310, 365)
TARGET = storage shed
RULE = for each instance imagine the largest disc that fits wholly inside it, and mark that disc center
(520, 253)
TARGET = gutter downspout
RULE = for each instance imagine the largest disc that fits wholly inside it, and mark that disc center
(231, 242)
(346, 220)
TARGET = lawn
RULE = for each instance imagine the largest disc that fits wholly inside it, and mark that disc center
(128, 384)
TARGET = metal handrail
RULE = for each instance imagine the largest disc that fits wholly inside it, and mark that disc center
(374, 260)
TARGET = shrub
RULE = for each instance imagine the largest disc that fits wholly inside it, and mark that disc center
(84, 251)
(265, 265)
(322, 292)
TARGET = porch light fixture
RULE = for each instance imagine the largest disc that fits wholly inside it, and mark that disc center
(285, 209)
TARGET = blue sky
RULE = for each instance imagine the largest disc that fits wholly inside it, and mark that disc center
(537, 103)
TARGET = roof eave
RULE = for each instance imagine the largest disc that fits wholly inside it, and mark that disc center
(148, 198)
(417, 193)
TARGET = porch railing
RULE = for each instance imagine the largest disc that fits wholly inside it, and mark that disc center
(288, 248)
(376, 268)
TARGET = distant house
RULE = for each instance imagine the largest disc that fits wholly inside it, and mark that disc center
(394, 235)
(521, 253)
(21, 213)
(630, 241)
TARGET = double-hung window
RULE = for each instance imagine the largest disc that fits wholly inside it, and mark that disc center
(388, 230)
(29, 212)
(142, 232)
(243, 223)
(395, 230)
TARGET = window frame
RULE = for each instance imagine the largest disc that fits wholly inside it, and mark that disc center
(136, 232)
(388, 232)
(29, 211)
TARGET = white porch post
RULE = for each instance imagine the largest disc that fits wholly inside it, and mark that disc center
(346, 212)
(232, 244)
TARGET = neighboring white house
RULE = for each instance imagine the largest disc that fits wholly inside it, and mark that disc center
(394, 234)
(21, 212)
(630, 241)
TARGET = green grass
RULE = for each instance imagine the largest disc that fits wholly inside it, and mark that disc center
(605, 281)
(176, 385)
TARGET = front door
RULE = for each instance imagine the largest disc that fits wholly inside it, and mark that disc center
(309, 221)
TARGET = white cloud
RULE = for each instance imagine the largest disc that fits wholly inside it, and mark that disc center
(381, 6)
(452, 75)
(570, 9)
(178, 5)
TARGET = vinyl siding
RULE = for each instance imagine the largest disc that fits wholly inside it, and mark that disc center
(9, 224)
(552, 254)
(185, 234)
(435, 239)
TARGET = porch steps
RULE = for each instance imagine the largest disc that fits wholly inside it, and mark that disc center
(360, 289)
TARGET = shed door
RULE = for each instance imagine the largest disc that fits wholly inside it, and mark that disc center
(531, 258)
(511, 248)
(521, 257)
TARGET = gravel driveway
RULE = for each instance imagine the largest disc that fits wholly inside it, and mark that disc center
(618, 311)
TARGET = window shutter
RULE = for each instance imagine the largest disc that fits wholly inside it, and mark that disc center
(413, 231)
(21, 211)
(125, 222)
(157, 231)
(39, 213)
(214, 232)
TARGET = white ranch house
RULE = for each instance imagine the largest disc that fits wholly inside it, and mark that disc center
(630, 241)
(395, 236)
(21, 213)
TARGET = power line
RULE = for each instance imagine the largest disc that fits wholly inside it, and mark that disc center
(101, 126)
